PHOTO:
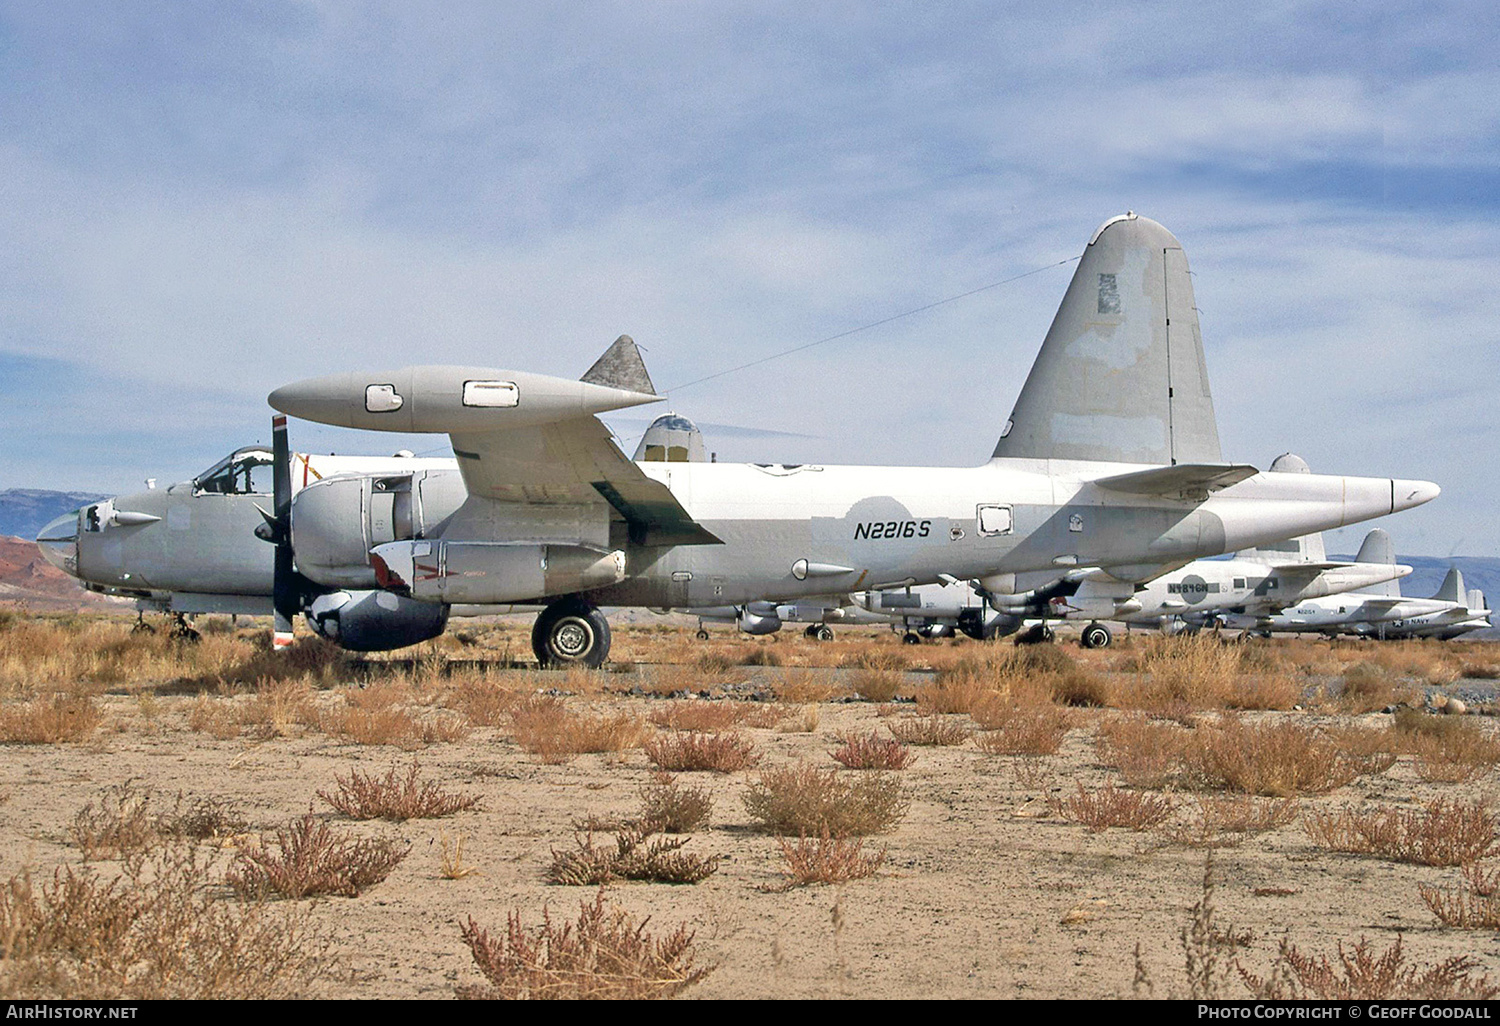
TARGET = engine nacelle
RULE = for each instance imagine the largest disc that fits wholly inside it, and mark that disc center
(374, 621)
(337, 521)
(758, 618)
(493, 573)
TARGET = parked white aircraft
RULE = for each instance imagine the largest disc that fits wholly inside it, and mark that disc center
(1110, 459)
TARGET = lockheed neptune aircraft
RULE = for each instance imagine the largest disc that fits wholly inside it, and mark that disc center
(1109, 460)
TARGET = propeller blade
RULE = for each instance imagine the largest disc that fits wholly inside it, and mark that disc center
(286, 590)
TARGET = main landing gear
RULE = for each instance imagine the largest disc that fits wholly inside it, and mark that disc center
(570, 632)
(1037, 634)
(819, 632)
(1095, 635)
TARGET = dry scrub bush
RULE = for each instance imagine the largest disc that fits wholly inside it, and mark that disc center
(827, 859)
(481, 701)
(548, 729)
(877, 685)
(1146, 753)
(1277, 759)
(1446, 750)
(928, 730)
(716, 666)
(803, 720)
(1445, 833)
(1108, 806)
(871, 751)
(604, 955)
(1368, 687)
(699, 715)
(872, 656)
(1474, 905)
(122, 821)
(157, 932)
(452, 854)
(310, 860)
(798, 686)
(45, 721)
(1012, 729)
(672, 808)
(1179, 674)
(1223, 820)
(802, 800)
(758, 655)
(1362, 975)
(637, 854)
(366, 796)
(686, 751)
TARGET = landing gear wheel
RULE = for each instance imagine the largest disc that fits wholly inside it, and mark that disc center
(1096, 635)
(811, 633)
(570, 632)
(823, 633)
(184, 631)
(702, 634)
(911, 638)
(1036, 635)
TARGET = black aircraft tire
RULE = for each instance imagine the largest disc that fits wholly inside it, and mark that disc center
(824, 633)
(911, 638)
(702, 634)
(1095, 635)
(570, 632)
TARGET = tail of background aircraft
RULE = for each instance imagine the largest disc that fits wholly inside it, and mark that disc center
(1378, 548)
(1120, 376)
(1452, 589)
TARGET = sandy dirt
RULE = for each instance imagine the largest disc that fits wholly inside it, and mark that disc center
(986, 892)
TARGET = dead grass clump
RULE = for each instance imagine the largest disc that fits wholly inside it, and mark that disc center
(698, 715)
(549, 730)
(716, 665)
(877, 685)
(1445, 833)
(61, 718)
(672, 808)
(803, 800)
(604, 955)
(1370, 687)
(481, 701)
(955, 690)
(278, 707)
(1146, 753)
(1446, 749)
(366, 796)
(801, 686)
(1109, 806)
(158, 931)
(310, 860)
(1276, 759)
(872, 657)
(216, 717)
(759, 655)
(1192, 673)
(803, 720)
(637, 854)
(1362, 975)
(200, 818)
(861, 751)
(1012, 729)
(928, 730)
(686, 751)
(827, 859)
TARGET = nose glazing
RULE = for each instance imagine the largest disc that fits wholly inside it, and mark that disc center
(59, 543)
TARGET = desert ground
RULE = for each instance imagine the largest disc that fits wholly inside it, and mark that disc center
(1056, 847)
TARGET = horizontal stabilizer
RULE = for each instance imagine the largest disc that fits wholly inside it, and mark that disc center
(1190, 481)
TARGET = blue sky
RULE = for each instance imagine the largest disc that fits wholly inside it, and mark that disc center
(201, 202)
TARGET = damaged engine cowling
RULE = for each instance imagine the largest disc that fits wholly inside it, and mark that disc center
(337, 521)
(758, 618)
(374, 621)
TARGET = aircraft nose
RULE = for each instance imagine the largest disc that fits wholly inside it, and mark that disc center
(1409, 494)
(59, 543)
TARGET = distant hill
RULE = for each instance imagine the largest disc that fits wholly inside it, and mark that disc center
(1482, 572)
(25, 511)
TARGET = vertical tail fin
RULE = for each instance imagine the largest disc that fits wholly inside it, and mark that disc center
(1476, 601)
(1452, 589)
(1120, 376)
(1378, 548)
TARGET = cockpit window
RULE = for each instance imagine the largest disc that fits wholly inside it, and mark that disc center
(246, 472)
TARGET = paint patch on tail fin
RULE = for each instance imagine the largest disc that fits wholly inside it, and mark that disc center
(1120, 376)
(621, 366)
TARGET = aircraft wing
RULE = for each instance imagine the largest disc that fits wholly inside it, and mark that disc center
(1190, 481)
(574, 461)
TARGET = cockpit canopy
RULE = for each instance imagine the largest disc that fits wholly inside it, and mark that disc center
(246, 471)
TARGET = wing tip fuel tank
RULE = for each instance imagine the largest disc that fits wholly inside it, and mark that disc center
(447, 399)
